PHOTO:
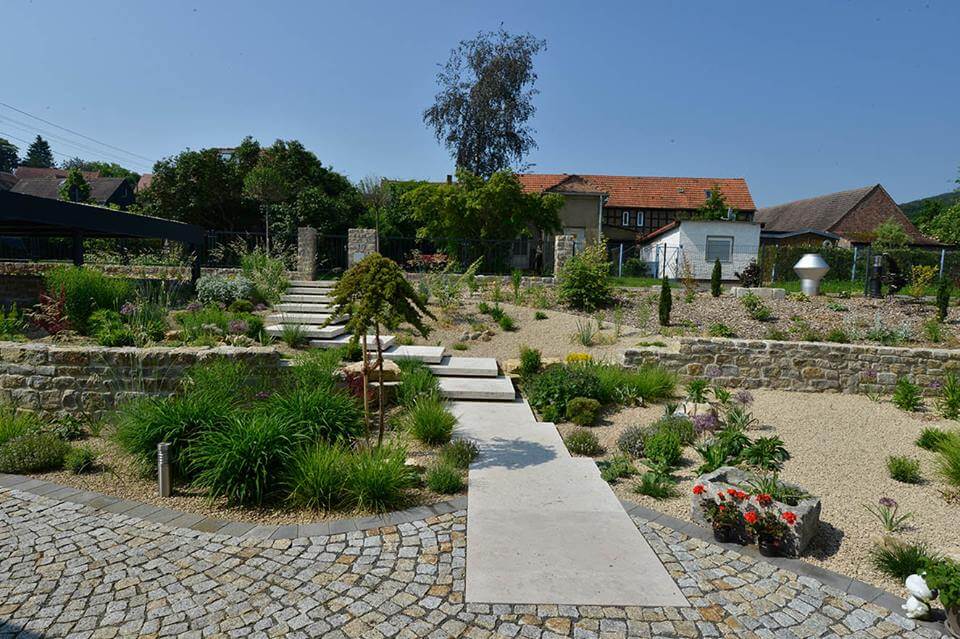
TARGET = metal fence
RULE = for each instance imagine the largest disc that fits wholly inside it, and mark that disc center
(331, 254)
(496, 256)
(629, 259)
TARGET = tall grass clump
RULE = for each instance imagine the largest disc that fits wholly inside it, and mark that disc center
(380, 478)
(429, 421)
(16, 424)
(899, 559)
(416, 381)
(316, 413)
(631, 386)
(318, 477)
(949, 401)
(948, 461)
(238, 460)
(445, 479)
(267, 274)
(932, 438)
(459, 453)
(86, 290)
(317, 368)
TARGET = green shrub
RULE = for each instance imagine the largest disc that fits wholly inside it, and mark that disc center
(445, 479)
(539, 315)
(932, 438)
(218, 289)
(13, 324)
(583, 280)
(429, 421)
(530, 361)
(734, 439)
(17, 424)
(293, 335)
(766, 453)
(904, 469)
(715, 277)
(944, 576)
(108, 329)
(631, 440)
(680, 425)
(666, 302)
(268, 275)
(663, 446)
(755, 307)
(416, 381)
(507, 323)
(319, 475)
(316, 413)
(81, 459)
(212, 321)
(838, 336)
(241, 306)
(85, 291)
(68, 428)
(459, 453)
(583, 442)
(586, 333)
(713, 454)
(719, 329)
(949, 402)
(949, 460)
(943, 299)
(551, 389)
(656, 485)
(461, 346)
(907, 395)
(632, 385)
(239, 460)
(32, 453)
(933, 331)
(317, 368)
(380, 478)
(583, 411)
(900, 559)
(617, 467)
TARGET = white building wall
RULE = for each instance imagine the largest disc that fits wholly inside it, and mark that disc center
(689, 240)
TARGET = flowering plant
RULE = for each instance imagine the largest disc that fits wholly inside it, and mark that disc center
(768, 523)
(720, 512)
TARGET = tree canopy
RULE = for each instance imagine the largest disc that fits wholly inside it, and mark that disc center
(940, 221)
(9, 156)
(715, 206)
(75, 188)
(484, 101)
(105, 169)
(39, 154)
(889, 234)
(473, 207)
(384, 206)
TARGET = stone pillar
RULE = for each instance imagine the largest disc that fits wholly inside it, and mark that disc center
(307, 253)
(563, 249)
(360, 243)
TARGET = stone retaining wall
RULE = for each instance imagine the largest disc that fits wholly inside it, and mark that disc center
(505, 280)
(799, 366)
(89, 380)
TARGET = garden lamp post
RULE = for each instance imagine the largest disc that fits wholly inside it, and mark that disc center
(810, 269)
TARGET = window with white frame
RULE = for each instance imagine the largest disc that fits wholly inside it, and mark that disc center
(639, 218)
(625, 218)
(719, 248)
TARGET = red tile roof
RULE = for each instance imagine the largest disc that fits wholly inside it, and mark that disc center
(32, 173)
(648, 192)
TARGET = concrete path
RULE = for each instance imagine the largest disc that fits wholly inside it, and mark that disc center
(544, 527)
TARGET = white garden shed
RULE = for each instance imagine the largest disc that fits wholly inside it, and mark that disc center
(701, 243)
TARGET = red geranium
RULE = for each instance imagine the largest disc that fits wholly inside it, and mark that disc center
(789, 517)
(750, 517)
(699, 489)
(731, 491)
(764, 499)
(739, 495)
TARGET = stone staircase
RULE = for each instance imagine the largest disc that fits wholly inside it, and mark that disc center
(309, 304)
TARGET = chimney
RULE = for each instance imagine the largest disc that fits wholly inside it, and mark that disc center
(449, 179)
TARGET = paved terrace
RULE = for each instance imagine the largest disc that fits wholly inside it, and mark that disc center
(71, 568)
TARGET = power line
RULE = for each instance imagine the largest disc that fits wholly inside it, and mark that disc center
(85, 137)
(13, 137)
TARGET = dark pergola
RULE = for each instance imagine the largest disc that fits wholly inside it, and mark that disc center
(26, 215)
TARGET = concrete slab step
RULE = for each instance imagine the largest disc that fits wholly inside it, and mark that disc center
(306, 299)
(317, 332)
(386, 342)
(306, 319)
(314, 283)
(426, 354)
(307, 290)
(453, 366)
(298, 307)
(486, 388)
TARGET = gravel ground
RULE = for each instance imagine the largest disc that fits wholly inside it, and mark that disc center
(839, 446)
(796, 320)
(120, 476)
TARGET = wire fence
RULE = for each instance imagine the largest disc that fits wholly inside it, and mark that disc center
(629, 259)
(497, 257)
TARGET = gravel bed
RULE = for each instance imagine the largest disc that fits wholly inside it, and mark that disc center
(839, 446)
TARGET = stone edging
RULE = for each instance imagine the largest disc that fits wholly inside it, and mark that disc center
(246, 530)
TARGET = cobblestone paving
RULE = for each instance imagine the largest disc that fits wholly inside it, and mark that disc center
(67, 570)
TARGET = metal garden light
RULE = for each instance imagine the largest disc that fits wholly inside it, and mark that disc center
(163, 469)
(810, 269)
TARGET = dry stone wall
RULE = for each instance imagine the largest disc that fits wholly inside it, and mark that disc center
(800, 366)
(91, 380)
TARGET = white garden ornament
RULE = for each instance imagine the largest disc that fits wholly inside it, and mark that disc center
(917, 605)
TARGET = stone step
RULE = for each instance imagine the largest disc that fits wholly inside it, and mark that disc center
(386, 342)
(297, 307)
(466, 367)
(488, 388)
(307, 290)
(318, 332)
(314, 283)
(306, 319)
(307, 299)
(426, 354)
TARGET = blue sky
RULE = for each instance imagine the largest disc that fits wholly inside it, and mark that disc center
(800, 98)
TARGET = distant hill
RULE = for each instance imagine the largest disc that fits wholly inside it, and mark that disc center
(911, 209)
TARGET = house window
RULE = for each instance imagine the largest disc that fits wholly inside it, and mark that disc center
(719, 248)
(625, 219)
(639, 218)
(521, 245)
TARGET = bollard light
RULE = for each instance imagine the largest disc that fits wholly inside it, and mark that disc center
(163, 469)
(810, 269)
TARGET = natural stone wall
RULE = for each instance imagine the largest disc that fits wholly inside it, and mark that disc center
(89, 380)
(360, 243)
(505, 280)
(307, 253)
(799, 366)
(564, 247)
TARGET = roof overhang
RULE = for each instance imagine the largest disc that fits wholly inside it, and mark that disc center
(788, 234)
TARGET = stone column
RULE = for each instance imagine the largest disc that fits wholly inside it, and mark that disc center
(307, 253)
(563, 249)
(360, 243)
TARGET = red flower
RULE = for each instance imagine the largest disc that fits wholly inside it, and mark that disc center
(699, 489)
(740, 495)
(789, 517)
(731, 491)
(750, 516)
(764, 499)
(721, 497)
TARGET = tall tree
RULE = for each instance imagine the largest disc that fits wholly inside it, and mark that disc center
(39, 154)
(75, 188)
(9, 156)
(715, 206)
(105, 169)
(888, 235)
(484, 101)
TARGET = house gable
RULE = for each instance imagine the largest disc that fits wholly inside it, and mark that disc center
(859, 223)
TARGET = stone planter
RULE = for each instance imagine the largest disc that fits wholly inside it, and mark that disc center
(953, 620)
(807, 511)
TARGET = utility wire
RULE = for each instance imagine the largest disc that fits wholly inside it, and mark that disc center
(77, 133)
(13, 137)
